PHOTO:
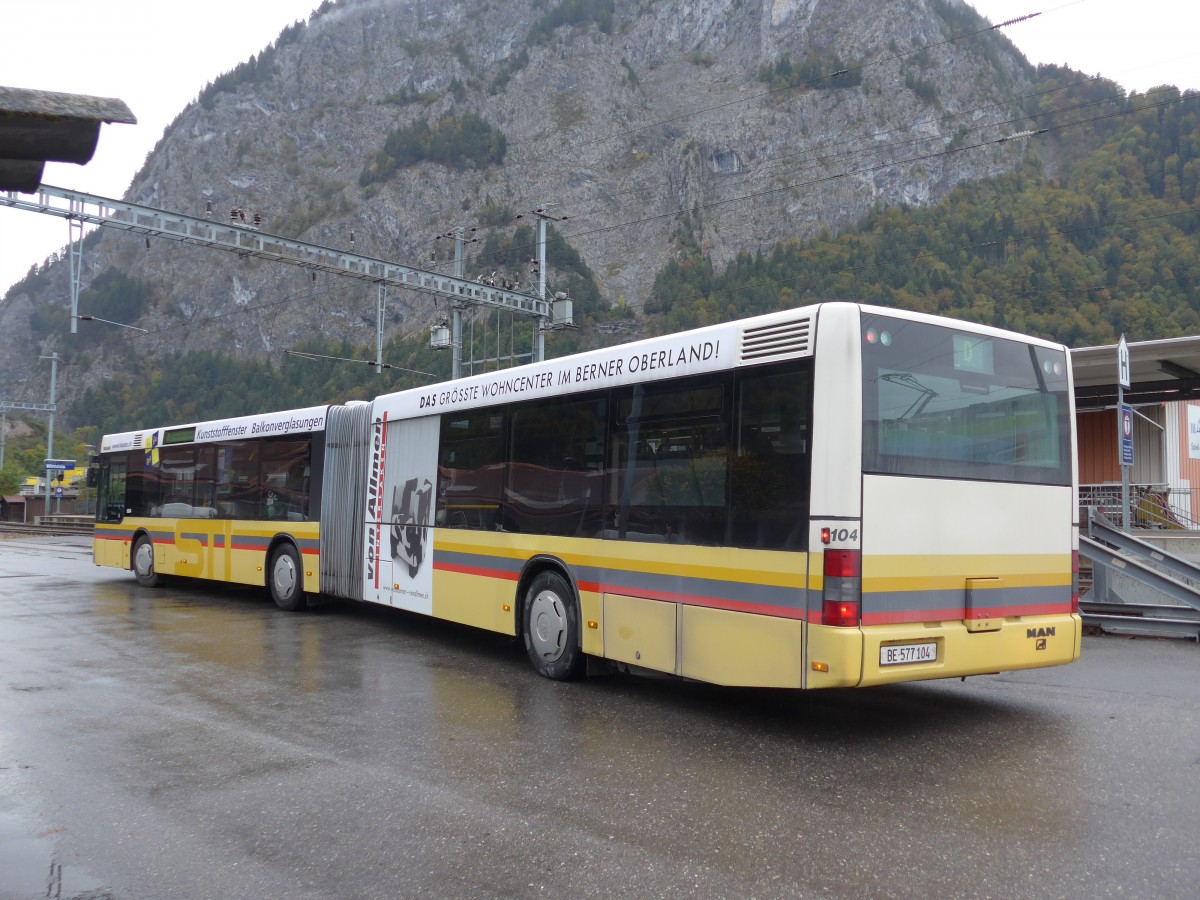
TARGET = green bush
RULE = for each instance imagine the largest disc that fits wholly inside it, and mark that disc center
(455, 142)
(815, 72)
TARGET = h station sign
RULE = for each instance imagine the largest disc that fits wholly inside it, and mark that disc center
(1123, 364)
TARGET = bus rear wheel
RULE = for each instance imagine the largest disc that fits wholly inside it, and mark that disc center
(143, 562)
(285, 579)
(551, 627)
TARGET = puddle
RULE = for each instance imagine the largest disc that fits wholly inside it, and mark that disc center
(29, 867)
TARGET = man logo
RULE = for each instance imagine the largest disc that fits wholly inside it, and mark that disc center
(1040, 645)
(1039, 632)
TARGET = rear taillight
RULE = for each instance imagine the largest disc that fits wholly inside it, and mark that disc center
(841, 600)
(1075, 581)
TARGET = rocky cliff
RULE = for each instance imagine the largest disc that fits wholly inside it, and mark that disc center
(652, 124)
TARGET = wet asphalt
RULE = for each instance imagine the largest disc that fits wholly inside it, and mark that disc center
(194, 741)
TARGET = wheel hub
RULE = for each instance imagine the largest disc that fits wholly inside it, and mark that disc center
(144, 559)
(284, 575)
(548, 625)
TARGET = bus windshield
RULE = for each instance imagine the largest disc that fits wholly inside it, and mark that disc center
(945, 403)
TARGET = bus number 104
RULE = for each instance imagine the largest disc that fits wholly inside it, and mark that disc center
(840, 535)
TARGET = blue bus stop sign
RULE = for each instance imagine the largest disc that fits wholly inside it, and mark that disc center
(1126, 429)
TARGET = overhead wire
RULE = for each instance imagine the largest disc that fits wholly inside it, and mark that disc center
(1051, 128)
(865, 170)
(941, 138)
(573, 149)
(304, 354)
(524, 249)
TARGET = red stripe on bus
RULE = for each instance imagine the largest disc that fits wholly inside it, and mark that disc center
(475, 570)
(762, 609)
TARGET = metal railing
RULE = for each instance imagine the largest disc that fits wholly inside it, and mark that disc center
(1150, 506)
(1112, 551)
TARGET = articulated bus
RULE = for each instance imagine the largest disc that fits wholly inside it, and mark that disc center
(832, 496)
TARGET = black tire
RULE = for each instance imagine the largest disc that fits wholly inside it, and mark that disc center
(285, 578)
(142, 563)
(551, 628)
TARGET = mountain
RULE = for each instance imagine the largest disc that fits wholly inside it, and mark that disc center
(1095, 235)
(671, 133)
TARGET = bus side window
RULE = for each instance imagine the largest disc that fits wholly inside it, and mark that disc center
(284, 479)
(770, 486)
(143, 486)
(239, 490)
(110, 504)
(470, 470)
(555, 471)
(670, 457)
(177, 467)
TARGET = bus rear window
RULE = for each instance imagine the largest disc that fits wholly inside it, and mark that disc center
(944, 403)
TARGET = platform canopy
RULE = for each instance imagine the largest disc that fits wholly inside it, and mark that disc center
(37, 127)
(1160, 371)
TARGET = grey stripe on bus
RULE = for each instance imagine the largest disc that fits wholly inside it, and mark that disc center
(953, 600)
(641, 583)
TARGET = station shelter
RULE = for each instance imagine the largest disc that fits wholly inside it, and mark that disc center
(13, 508)
(1164, 395)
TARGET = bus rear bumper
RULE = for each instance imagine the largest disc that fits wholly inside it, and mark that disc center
(895, 653)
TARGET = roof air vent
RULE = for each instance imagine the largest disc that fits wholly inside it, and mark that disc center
(786, 339)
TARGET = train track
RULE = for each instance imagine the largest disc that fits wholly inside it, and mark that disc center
(22, 529)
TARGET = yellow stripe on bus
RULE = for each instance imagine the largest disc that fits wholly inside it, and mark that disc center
(716, 563)
(950, 572)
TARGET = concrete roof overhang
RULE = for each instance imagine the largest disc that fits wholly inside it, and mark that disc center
(1160, 371)
(41, 126)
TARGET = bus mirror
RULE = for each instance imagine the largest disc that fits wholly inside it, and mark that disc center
(93, 476)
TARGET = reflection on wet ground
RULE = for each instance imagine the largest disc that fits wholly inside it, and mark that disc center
(355, 750)
(32, 867)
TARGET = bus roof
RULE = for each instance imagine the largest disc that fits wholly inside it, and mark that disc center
(761, 339)
(773, 337)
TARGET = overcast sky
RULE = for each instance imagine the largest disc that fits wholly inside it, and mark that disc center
(157, 55)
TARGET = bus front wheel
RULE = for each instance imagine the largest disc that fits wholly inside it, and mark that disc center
(143, 562)
(286, 579)
(551, 626)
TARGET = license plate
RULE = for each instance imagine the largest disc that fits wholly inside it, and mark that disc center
(900, 654)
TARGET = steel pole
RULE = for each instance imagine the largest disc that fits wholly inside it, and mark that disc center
(455, 308)
(50, 431)
(539, 328)
(1126, 522)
